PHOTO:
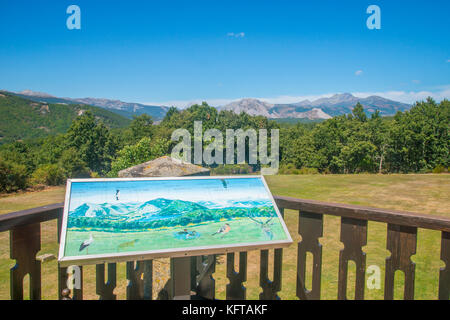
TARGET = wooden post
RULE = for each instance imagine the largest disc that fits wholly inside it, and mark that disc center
(180, 275)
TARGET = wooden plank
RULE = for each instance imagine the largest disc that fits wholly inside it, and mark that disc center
(180, 278)
(106, 289)
(444, 274)
(25, 243)
(140, 278)
(235, 290)
(12, 220)
(366, 213)
(354, 237)
(401, 242)
(311, 229)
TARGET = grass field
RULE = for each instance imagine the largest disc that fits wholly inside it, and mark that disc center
(418, 193)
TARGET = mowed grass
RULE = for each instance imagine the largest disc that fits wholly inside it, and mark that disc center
(426, 194)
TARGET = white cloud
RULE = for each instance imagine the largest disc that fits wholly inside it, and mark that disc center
(358, 72)
(416, 81)
(408, 97)
(236, 35)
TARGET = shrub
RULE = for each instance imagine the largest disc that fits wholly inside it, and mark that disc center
(230, 169)
(291, 169)
(440, 169)
(306, 170)
(48, 174)
(13, 177)
(94, 174)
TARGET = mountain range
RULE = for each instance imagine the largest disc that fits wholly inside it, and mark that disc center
(323, 108)
(320, 109)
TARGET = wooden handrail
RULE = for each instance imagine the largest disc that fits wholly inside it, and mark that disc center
(403, 218)
(412, 219)
(11, 220)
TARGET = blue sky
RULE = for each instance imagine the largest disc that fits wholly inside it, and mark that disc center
(187, 190)
(175, 52)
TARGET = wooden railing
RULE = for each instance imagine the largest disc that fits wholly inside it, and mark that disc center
(25, 243)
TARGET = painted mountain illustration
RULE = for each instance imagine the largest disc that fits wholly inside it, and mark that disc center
(162, 212)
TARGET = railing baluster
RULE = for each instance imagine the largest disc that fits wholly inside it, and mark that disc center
(401, 242)
(354, 237)
(25, 243)
(444, 274)
(140, 278)
(106, 290)
(206, 287)
(271, 288)
(235, 289)
(310, 227)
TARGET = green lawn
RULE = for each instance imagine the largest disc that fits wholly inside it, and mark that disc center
(418, 193)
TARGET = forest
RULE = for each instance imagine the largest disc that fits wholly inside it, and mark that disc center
(414, 141)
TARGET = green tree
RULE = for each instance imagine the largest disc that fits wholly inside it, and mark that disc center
(145, 150)
(13, 177)
(93, 141)
(140, 127)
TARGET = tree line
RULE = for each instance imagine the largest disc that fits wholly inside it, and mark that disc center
(412, 141)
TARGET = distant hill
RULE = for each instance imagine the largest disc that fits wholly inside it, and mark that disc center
(22, 118)
(126, 109)
(323, 108)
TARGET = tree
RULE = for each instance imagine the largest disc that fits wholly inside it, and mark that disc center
(140, 127)
(145, 150)
(92, 140)
(358, 112)
(73, 165)
(13, 176)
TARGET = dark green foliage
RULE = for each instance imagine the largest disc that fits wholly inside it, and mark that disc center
(145, 150)
(48, 174)
(91, 139)
(73, 165)
(13, 176)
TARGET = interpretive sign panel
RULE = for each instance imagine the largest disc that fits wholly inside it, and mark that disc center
(111, 220)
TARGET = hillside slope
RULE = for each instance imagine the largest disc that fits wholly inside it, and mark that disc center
(23, 119)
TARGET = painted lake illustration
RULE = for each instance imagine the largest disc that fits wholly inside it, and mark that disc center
(113, 217)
